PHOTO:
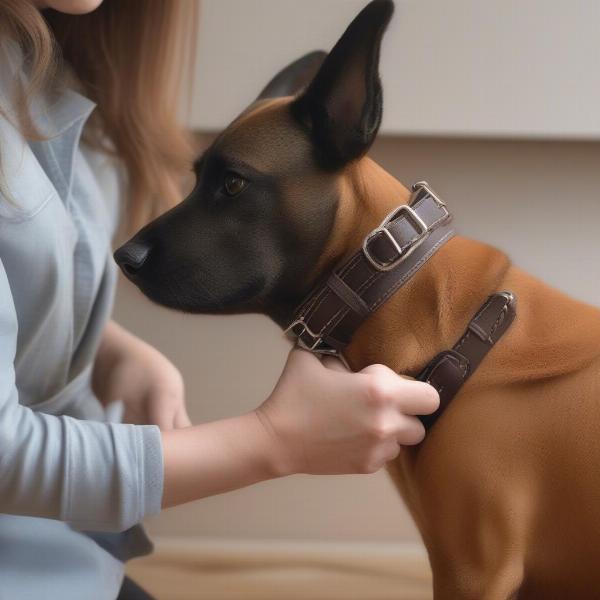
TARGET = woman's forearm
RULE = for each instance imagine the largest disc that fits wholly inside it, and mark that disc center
(217, 457)
(319, 419)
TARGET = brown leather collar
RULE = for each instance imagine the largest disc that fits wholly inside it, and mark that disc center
(391, 254)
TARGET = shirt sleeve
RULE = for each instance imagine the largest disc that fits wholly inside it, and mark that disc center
(95, 476)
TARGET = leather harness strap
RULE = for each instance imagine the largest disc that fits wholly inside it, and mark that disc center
(449, 370)
(391, 254)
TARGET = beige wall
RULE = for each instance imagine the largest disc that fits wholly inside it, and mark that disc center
(538, 201)
(499, 68)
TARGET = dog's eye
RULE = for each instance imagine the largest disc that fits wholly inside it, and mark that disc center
(234, 184)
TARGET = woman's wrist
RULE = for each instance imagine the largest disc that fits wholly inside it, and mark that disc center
(218, 457)
(280, 460)
(270, 459)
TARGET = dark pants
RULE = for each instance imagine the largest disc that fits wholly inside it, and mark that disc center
(132, 591)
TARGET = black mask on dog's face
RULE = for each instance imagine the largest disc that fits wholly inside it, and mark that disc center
(249, 235)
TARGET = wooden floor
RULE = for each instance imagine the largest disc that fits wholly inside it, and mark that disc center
(264, 571)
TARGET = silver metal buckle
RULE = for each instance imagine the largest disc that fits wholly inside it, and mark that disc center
(314, 347)
(414, 218)
(425, 186)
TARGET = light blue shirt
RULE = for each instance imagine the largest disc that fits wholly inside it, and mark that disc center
(61, 464)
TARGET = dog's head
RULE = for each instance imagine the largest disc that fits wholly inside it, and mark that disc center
(250, 236)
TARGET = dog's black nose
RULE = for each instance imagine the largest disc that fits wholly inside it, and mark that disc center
(131, 256)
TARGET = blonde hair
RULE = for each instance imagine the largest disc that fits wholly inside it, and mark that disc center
(129, 58)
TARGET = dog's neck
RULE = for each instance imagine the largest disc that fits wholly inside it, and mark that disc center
(431, 311)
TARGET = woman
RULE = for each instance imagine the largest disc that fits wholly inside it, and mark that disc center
(72, 485)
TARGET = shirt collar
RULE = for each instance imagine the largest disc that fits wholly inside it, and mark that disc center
(61, 122)
(54, 116)
(59, 117)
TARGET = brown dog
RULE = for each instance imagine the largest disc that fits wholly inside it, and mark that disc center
(505, 489)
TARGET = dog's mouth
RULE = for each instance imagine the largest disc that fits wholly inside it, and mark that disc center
(195, 293)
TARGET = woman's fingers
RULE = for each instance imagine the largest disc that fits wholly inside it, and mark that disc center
(417, 398)
(392, 451)
(301, 359)
(161, 414)
(298, 357)
(335, 364)
(411, 431)
(182, 419)
(411, 397)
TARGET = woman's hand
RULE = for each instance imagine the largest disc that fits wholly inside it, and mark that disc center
(327, 420)
(149, 385)
(320, 418)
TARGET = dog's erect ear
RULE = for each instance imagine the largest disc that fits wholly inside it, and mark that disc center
(342, 106)
(295, 77)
